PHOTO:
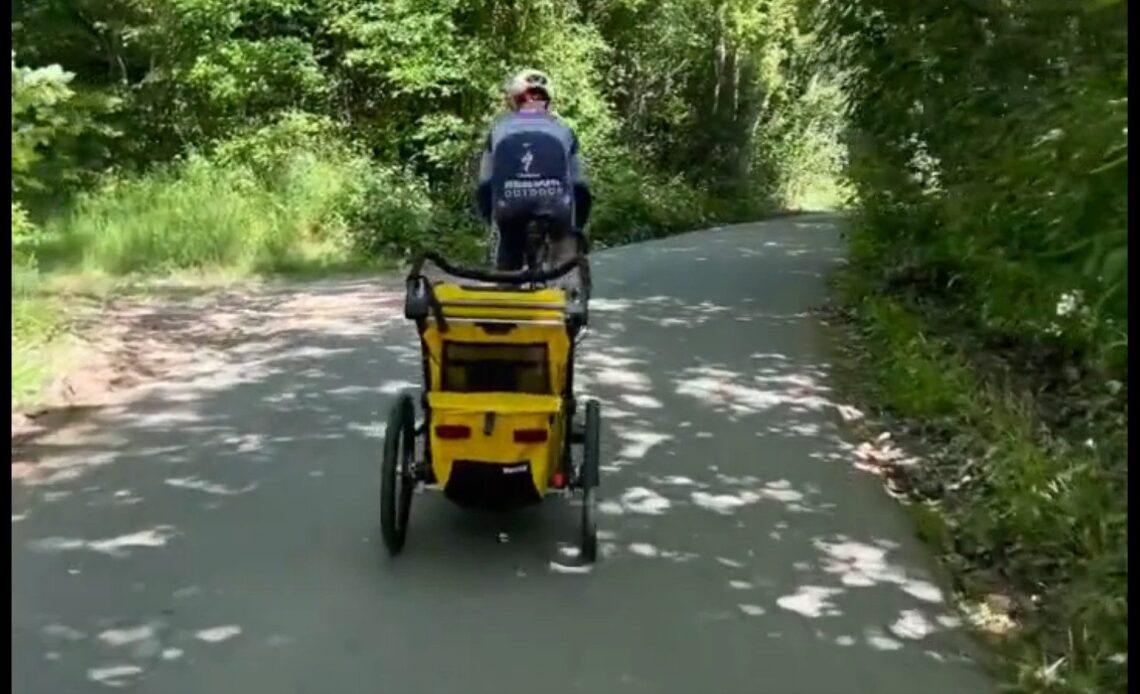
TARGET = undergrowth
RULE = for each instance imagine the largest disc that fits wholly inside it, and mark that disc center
(200, 213)
(37, 323)
(1015, 504)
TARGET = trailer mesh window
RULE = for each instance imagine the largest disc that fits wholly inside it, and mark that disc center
(487, 368)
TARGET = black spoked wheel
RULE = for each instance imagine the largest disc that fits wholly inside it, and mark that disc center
(397, 478)
(591, 464)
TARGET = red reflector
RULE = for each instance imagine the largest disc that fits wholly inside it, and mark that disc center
(453, 431)
(530, 435)
(559, 480)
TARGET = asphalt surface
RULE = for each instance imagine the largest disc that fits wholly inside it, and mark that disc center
(220, 535)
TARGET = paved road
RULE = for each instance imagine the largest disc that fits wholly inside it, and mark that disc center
(220, 534)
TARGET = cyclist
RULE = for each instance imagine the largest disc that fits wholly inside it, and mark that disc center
(531, 167)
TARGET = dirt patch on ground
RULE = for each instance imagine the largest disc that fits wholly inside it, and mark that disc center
(127, 345)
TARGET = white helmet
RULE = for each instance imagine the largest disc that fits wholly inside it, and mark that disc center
(529, 81)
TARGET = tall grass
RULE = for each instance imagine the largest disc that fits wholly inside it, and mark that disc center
(199, 214)
(311, 209)
(36, 323)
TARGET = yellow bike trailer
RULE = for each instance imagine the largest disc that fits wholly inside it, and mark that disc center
(498, 411)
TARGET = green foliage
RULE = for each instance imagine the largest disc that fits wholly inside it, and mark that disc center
(920, 381)
(34, 323)
(414, 83)
(56, 130)
(988, 156)
(803, 156)
(266, 149)
(35, 319)
(38, 97)
(161, 222)
(24, 234)
(633, 207)
(284, 134)
(256, 202)
(389, 212)
(1011, 185)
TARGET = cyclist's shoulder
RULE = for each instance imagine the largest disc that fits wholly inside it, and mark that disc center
(530, 121)
(512, 126)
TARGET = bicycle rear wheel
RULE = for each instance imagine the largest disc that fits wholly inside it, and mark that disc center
(537, 253)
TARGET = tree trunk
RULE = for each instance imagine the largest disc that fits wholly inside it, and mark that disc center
(721, 53)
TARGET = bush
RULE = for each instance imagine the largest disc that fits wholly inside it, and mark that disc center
(632, 205)
(389, 211)
(1013, 183)
(24, 234)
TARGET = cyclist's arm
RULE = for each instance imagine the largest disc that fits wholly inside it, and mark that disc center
(582, 196)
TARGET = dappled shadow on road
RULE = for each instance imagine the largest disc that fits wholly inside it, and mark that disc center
(132, 343)
(234, 509)
(711, 453)
(185, 486)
